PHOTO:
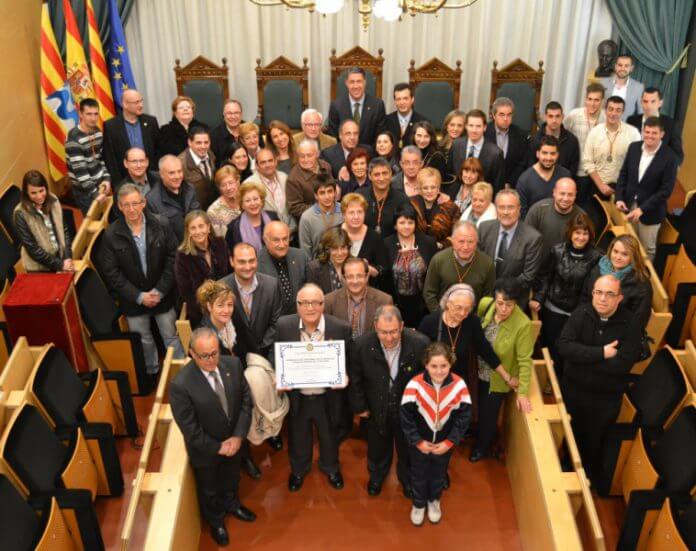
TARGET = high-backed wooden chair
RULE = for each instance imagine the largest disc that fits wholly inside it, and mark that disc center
(283, 91)
(675, 527)
(522, 84)
(356, 57)
(436, 88)
(9, 199)
(207, 84)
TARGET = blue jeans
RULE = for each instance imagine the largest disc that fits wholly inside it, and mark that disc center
(166, 323)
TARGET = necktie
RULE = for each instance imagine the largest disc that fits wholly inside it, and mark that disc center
(355, 318)
(472, 151)
(503, 246)
(220, 391)
(204, 168)
(356, 112)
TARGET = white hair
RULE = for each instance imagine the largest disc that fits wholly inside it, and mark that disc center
(311, 143)
(308, 112)
(455, 290)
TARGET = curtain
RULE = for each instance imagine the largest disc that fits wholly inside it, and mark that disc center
(654, 32)
(101, 12)
(562, 34)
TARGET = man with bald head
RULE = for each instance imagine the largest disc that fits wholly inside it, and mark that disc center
(550, 216)
(173, 197)
(299, 190)
(130, 128)
(336, 155)
(285, 263)
(599, 343)
(311, 122)
(320, 408)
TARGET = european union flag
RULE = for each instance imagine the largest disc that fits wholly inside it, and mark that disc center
(120, 72)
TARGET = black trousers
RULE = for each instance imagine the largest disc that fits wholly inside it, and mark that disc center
(428, 473)
(586, 188)
(380, 450)
(552, 324)
(412, 308)
(489, 407)
(312, 411)
(217, 486)
(591, 416)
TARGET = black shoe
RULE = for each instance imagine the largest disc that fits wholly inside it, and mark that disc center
(476, 455)
(336, 480)
(242, 513)
(276, 442)
(295, 482)
(446, 485)
(220, 536)
(374, 488)
(251, 468)
(408, 493)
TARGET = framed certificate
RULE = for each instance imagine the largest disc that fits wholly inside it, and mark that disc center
(310, 364)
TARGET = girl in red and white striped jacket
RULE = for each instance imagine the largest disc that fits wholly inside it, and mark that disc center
(435, 414)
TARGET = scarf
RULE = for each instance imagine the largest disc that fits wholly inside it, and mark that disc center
(228, 336)
(249, 234)
(605, 268)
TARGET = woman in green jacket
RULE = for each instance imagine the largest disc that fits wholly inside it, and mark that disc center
(509, 330)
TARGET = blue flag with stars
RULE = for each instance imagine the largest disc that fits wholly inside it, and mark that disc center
(120, 72)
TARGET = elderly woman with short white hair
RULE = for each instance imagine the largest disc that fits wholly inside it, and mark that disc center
(456, 324)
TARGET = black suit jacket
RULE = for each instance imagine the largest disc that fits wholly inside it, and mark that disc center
(116, 144)
(491, 158)
(335, 330)
(391, 123)
(256, 332)
(370, 378)
(336, 158)
(671, 137)
(198, 412)
(653, 190)
(517, 151)
(371, 118)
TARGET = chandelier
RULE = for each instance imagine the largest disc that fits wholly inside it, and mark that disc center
(387, 10)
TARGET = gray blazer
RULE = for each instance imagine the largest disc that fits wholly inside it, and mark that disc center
(633, 94)
(524, 255)
(297, 267)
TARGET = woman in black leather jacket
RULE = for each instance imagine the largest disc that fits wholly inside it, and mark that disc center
(561, 282)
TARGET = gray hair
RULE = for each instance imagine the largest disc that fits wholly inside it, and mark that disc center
(378, 161)
(165, 159)
(464, 224)
(388, 312)
(308, 112)
(127, 189)
(310, 143)
(502, 101)
(310, 286)
(412, 149)
(201, 333)
(509, 191)
(455, 290)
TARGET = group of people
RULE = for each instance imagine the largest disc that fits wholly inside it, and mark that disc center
(426, 256)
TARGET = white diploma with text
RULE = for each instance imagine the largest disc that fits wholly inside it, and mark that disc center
(310, 364)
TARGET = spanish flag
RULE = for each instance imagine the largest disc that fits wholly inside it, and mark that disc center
(79, 77)
(58, 109)
(100, 74)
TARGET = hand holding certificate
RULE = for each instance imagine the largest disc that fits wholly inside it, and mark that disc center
(310, 364)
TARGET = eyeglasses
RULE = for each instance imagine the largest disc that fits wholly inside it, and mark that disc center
(133, 205)
(310, 303)
(137, 161)
(392, 333)
(459, 308)
(607, 294)
(210, 356)
(312, 124)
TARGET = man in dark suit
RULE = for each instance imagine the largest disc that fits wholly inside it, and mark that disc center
(651, 101)
(474, 145)
(509, 138)
(646, 182)
(515, 246)
(336, 155)
(382, 363)
(568, 146)
(400, 122)
(382, 199)
(131, 128)
(320, 408)
(199, 166)
(211, 404)
(356, 302)
(285, 263)
(258, 302)
(367, 111)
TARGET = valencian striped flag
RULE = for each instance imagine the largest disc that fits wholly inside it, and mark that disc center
(119, 62)
(75, 63)
(58, 109)
(100, 74)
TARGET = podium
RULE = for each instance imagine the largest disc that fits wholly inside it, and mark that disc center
(43, 307)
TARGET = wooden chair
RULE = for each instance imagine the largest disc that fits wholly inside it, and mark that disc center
(9, 199)
(436, 88)
(674, 529)
(356, 57)
(184, 329)
(522, 84)
(680, 283)
(207, 84)
(282, 89)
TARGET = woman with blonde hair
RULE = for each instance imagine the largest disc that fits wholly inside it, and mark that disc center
(481, 207)
(202, 255)
(173, 136)
(226, 207)
(435, 218)
(249, 138)
(248, 227)
(279, 140)
(365, 241)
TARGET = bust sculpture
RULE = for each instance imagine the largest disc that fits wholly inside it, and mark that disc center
(606, 54)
